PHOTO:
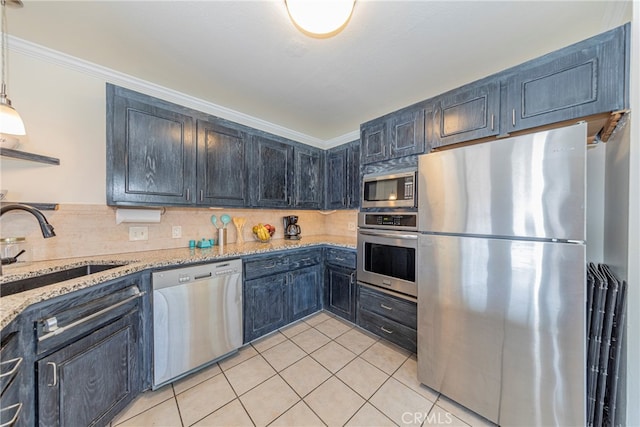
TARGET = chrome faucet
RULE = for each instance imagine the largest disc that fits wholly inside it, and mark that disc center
(47, 229)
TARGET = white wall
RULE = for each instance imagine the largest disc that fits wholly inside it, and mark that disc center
(64, 113)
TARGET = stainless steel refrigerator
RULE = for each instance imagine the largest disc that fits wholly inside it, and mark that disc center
(501, 286)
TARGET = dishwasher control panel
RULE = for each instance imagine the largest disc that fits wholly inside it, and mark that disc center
(188, 274)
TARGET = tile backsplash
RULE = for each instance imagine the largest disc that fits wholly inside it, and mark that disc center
(87, 230)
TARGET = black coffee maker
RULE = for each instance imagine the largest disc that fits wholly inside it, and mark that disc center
(291, 227)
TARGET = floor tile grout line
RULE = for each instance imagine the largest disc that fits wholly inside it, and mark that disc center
(175, 401)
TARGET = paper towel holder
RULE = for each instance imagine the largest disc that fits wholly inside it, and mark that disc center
(138, 215)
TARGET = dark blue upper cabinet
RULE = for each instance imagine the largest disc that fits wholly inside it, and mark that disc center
(399, 134)
(150, 151)
(374, 139)
(308, 180)
(406, 133)
(343, 176)
(470, 112)
(272, 173)
(584, 79)
(222, 166)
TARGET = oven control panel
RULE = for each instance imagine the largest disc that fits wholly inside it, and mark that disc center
(402, 221)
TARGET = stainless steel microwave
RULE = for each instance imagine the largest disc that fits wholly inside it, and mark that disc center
(390, 190)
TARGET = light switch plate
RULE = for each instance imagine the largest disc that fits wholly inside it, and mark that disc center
(176, 231)
(138, 233)
(351, 226)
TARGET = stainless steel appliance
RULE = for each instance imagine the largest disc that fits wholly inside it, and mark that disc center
(291, 228)
(197, 317)
(387, 250)
(501, 289)
(389, 190)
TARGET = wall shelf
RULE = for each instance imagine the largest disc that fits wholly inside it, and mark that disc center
(39, 206)
(23, 155)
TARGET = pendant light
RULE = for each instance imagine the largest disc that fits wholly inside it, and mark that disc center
(320, 18)
(10, 121)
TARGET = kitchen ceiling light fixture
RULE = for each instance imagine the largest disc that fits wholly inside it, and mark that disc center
(320, 18)
(10, 121)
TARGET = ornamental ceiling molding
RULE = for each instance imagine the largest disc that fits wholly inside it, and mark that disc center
(61, 59)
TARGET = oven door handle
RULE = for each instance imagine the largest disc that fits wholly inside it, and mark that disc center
(390, 235)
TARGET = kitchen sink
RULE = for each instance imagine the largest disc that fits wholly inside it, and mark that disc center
(22, 285)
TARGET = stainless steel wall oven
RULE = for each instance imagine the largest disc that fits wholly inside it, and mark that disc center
(387, 246)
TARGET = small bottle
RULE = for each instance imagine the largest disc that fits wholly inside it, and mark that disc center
(222, 236)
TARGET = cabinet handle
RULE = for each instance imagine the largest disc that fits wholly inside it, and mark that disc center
(289, 200)
(188, 195)
(492, 122)
(55, 374)
(386, 330)
(273, 265)
(348, 201)
(386, 307)
(339, 259)
(352, 278)
(13, 420)
(344, 201)
(305, 259)
(384, 151)
(513, 117)
(137, 294)
(201, 195)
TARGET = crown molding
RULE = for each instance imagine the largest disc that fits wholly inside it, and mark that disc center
(42, 53)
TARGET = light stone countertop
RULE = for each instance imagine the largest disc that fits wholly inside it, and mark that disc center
(12, 305)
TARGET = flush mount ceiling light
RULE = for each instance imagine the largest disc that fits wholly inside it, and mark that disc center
(10, 121)
(320, 18)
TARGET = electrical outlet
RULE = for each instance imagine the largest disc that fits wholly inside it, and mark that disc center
(138, 233)
(176, 231)
(351, 226)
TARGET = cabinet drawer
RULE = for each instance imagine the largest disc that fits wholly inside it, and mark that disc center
(341, 257)
(305, 259)
(274, 264)
(392, 331)
(396, 309)
(266, 266)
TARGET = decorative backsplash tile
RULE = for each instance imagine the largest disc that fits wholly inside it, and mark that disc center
(87, 230)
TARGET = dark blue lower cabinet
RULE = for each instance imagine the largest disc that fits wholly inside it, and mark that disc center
(340, 292)
(93, 379)
(305, 292)
(266, 302)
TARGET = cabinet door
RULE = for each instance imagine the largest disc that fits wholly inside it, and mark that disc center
(580, 80)
(266, 305)
(374, 140)
(337, 177)
(340, 292)
(407, 133)
(90, 381)
(305, 292)
(272, 168)
(468, 113)
(222, 166)
(308, 180)
(353, 176)
(150, 154)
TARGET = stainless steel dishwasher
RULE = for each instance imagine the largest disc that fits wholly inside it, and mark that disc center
(197, 317)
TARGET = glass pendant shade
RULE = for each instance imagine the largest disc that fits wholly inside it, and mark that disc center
(10, 121)
(320, 18)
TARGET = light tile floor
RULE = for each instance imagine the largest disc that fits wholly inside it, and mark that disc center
(318, 371)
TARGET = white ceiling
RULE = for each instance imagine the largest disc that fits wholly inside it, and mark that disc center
(248, 57)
